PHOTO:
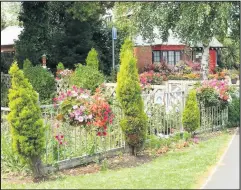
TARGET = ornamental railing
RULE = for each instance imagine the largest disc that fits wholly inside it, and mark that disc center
(65, 142)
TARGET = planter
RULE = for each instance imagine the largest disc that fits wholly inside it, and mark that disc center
(234, 81)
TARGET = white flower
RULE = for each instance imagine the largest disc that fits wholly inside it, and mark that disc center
(75, 107)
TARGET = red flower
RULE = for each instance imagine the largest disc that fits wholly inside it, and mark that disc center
(99, 133)
(104, 133)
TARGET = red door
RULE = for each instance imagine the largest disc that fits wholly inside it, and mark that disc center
(212, 60)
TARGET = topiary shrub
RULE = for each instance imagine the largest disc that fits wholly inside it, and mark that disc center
(134, 123)
(86, 77)
(42, 81)
(191, 113)
(27, 64)
(27, 128)
(92, 59)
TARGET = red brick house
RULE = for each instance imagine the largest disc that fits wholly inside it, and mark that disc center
(172, 52)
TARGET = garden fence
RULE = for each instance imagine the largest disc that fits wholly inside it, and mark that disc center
(80, 141)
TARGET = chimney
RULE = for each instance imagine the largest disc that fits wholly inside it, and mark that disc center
(44, 61)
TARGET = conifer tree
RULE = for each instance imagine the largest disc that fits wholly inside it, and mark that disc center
(191, 113)
(134, 123)
(27, 127)
(92, 59)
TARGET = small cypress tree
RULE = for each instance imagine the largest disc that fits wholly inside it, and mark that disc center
(134, 123)
(92, 59)
(27, 64)
(60, 66)
(191, 113)
(25, 120)
(127, 45)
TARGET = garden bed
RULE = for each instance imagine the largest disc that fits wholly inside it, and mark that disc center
(122, 160)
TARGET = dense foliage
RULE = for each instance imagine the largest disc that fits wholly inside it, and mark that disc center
(87, 77)
(42, 81)
(4, 95)
(134, 123)
(25, 120)
(65, 32)
(27, 64)
(191, 113)
(234, 110)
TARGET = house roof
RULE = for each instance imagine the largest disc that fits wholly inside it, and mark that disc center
(172, 40)
(214, 43)
(10, 34)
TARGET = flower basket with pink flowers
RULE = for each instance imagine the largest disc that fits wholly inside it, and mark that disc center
(79, 108)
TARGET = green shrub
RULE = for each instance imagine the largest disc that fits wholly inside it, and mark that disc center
(4, 95)
(86, 77)
(60, 66)
(234, 111)
(208, 97)
(27, 64)
(191, 113)
(134, 123)
(42, 81)
(92, 59)
(27, 128)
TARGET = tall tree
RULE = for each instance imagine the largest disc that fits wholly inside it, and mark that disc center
(33, 41)
(9, 13)
(192, 22)
(62, 30)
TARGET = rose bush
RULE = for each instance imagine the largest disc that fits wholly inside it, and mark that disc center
(150, 77)
(79, 108)
(213, 92)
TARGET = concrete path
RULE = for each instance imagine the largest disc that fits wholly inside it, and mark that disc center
(226, 173)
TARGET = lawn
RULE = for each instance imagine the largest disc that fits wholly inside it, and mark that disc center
(179, 170)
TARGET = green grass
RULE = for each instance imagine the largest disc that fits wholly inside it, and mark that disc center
(179, 170)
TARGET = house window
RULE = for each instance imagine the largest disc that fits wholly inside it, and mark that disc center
(156, 56)
(177, 56)
(169, 57)
(164, 56)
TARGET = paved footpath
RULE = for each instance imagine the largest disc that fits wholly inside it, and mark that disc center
(226, 173)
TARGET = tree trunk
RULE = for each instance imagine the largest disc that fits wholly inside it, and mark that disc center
(205, 63)
(37, 167)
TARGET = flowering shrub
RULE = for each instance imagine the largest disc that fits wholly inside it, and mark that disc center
(161, 68)
(148, 78)
(195, 66)
(212, 92)
(78, 107)
(183, 68)
(63, 74)
(179, 76)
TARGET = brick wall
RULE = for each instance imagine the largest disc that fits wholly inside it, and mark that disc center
(144, 56)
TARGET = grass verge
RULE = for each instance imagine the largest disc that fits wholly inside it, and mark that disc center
(178, 170)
